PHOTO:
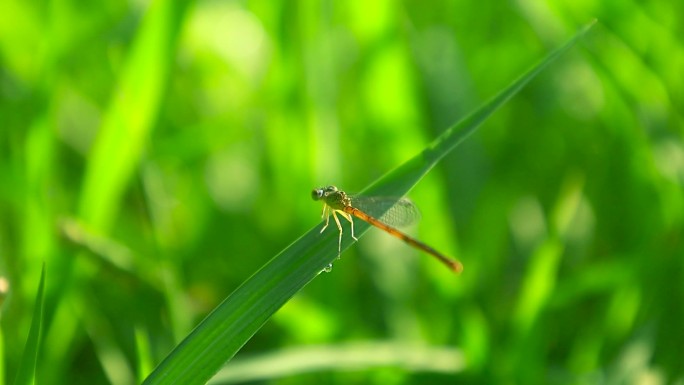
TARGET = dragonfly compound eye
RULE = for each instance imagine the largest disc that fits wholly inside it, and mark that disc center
(317, 194)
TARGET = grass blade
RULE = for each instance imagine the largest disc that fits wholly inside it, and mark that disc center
(131, 114)
(27, 367)
(399, 181)
(353, 356)
(223, 332)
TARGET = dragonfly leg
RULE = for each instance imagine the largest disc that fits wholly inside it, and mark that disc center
(348, 217)
(326, 215)
(339, 240)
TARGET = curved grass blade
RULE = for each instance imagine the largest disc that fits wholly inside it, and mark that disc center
(223, 332)
(131, 115)
(351, 356)
(27, 368)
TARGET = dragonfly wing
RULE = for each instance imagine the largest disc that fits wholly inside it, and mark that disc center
(390, 210)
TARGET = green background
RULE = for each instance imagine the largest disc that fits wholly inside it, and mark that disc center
(155, 155)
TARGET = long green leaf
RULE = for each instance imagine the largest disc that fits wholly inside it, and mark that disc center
(351, 356)
(131, 115)
(223, 332)
(27, 368)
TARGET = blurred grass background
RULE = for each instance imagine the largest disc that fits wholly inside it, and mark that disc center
(156, 154)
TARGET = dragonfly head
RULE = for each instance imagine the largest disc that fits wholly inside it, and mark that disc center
(320, 193)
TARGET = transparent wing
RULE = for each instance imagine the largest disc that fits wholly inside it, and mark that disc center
(391, 210)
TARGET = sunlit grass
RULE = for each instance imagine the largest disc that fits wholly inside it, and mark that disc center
(155, 156)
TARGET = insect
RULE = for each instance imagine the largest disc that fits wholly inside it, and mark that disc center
(396, 212)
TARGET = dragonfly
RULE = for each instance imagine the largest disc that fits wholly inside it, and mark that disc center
(395, 211)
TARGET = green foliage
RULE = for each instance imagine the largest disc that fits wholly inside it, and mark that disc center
(27, 369)
(158, 155)
(221, 335)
